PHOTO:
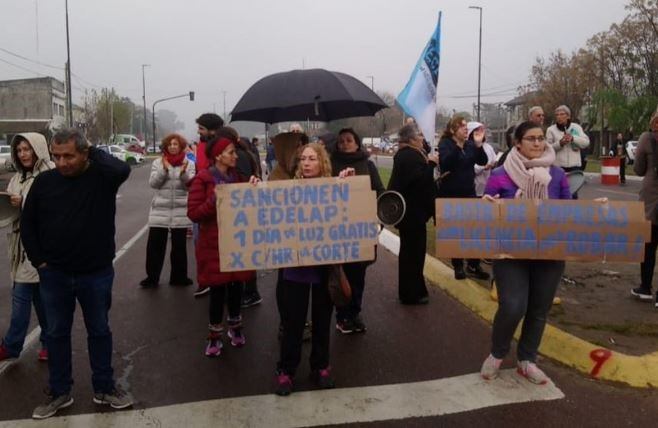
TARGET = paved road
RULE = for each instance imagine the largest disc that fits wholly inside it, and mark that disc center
(414, 367)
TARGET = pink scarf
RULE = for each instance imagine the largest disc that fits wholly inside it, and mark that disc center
(532, 176)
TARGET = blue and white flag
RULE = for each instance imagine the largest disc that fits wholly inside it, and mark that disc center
(418, 98)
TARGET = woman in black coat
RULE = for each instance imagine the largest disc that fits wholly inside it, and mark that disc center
(350, 154)
(458, 157)
(413, 177)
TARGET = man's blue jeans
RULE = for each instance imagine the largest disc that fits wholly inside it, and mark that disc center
(59, 291)
(23, 295)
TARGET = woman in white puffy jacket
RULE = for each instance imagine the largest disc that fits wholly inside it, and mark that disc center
(170, 175)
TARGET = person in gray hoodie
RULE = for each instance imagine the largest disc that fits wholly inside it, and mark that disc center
(29, 154)
(170, 175)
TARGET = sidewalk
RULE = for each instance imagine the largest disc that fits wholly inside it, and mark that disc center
(594, 360)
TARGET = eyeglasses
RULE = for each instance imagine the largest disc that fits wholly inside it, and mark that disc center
(534, 139)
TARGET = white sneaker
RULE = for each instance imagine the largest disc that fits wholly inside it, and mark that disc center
(530, 371)
(490, 368)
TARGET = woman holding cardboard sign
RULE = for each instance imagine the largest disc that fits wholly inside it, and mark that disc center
(297, 285)
(525, 287)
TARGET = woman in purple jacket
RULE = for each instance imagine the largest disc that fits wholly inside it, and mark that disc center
(525, 287)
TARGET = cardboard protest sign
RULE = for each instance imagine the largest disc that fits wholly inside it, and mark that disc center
(544, 229)
(296, 223)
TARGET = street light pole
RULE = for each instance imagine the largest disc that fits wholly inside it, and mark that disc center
(189, 94)
(479, 59)
(69, 100)
(224, 117)
(144, 98)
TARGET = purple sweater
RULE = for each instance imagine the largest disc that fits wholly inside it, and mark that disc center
(500, 183)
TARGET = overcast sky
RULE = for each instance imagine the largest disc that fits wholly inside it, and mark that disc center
(209, 46)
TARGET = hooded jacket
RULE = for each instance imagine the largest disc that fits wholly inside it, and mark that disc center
(20, 184)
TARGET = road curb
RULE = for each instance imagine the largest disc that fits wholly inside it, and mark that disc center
(588, 358)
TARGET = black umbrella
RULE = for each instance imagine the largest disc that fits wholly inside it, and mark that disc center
(316, 94)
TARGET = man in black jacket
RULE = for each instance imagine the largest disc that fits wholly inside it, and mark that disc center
(67, 228)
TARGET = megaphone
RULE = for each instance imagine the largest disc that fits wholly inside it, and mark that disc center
(576, 180)
(8, 212)
(390, 208)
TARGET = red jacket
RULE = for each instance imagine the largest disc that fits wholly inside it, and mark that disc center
(201, 208)
(201, 158)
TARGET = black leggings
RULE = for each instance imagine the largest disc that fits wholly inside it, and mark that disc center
(156, 248)
(649, 263)
(230, 293)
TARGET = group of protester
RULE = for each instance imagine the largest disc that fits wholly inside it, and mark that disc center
(62, 245)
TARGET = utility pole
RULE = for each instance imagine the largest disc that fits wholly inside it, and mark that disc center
(144, 128)
(224, 117)
(69, 100)
(479, 59)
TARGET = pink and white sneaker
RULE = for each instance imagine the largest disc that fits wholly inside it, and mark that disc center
(530, 371)
(490, 368)
(214, 345)
(237, 338)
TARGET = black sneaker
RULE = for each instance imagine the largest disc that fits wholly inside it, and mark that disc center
(642, 293)
(459, 273)
(116, 399)
(252, 300)
(201, 291)
(147, 283)
(477, 272)
(53, 405)
(181, 283)
(346, 326)
(359, 325)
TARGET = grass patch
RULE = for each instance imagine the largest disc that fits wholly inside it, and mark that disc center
(594, 165)
(627, 329)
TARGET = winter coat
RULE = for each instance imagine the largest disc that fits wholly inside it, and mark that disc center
(169, 204)
(201, 208)
(413, 178)
(500, 183)
(21, 270)
(457, 168)
(361, 164)
(645, 166)
(567, 156)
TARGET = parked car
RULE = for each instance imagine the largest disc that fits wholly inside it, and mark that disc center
(631, 147)
(5, 158)
(133, 147)
(131, 158)
(127, 139)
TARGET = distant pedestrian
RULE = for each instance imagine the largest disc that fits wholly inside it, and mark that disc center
(536, 115)
(619, 149)
(413, 178)
(207, 126)
(30, 157)
(225, 287)
(68, 231)
(476, 131)
(170, 175)
(646, 166)
(458, 156)
(349, 154)
(270, 159)
(567, 139)
(525, 287)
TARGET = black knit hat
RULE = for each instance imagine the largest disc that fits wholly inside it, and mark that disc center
(210, 121)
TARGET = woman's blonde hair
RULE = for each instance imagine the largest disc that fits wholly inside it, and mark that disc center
(323, 157)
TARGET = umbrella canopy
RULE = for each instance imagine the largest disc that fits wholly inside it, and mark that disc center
(316, 94)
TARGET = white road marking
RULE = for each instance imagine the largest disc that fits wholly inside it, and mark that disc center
(313, 408)
(34, 334)
(390, 241)
(617, 192)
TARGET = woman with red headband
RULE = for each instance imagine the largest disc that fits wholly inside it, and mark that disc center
(225, 287)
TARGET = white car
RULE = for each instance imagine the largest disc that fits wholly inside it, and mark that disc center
(631, 147)
(5, 157)
(131, 158)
